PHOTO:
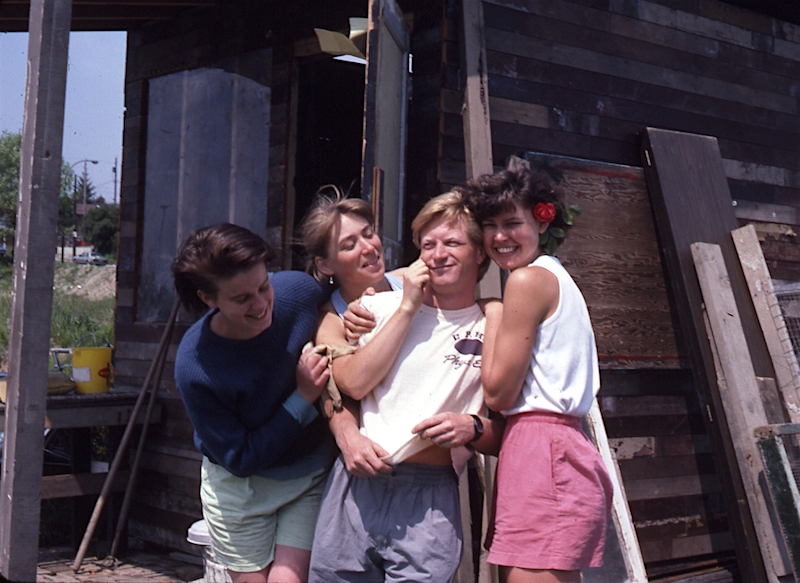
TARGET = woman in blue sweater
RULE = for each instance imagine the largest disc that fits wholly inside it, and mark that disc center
(248, 389)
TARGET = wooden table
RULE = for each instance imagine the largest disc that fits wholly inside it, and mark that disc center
(80, 412)
(111, 409)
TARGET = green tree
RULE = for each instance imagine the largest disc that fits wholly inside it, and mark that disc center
(10, 147)
(100, 227)
(91, 194)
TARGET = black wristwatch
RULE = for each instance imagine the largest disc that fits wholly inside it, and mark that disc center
(478, 425)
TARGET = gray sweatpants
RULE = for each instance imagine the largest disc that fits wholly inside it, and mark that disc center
(404, 526)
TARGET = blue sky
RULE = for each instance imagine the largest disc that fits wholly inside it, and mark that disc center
(94, 101)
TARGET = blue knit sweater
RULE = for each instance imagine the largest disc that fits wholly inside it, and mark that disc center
(241, 395)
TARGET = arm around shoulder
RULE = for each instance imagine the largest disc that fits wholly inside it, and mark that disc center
(531, 295)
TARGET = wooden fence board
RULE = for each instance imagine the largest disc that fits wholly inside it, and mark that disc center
(740, 396)
(776, 336)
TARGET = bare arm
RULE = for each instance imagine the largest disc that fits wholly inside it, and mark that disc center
(357, 374)
(531, 296)
(455, 429)
(357, 319)
(361, 454)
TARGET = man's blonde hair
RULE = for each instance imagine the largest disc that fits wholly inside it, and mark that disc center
(450, 206)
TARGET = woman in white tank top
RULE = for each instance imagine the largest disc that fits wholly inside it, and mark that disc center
(540, 371)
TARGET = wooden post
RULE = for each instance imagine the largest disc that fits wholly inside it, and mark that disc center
(40, 183)
(475, 115)
(478, 152)
(377, 196)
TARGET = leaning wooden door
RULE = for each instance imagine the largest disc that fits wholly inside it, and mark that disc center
(385, 111)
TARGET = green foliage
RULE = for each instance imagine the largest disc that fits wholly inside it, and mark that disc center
(10, 146)
(100, 227)
(75, 318)
(564, 220)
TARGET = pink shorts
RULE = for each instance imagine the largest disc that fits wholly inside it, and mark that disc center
(553, 496)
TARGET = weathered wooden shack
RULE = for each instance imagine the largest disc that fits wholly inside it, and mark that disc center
(234, 113)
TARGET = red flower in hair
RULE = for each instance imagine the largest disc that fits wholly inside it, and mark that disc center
(544, 212)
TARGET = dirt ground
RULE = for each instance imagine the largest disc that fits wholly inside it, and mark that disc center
(94, 282)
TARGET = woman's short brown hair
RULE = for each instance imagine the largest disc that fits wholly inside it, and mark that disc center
(215, 253)
(314, 233)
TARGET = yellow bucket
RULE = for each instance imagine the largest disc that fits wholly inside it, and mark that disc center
(91, 369)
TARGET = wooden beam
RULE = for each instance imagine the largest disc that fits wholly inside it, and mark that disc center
(740, 396)
(478, 151)
(628, 557)
(773, 326)
(691, 202)
(109, 415)
(39, 188)
(69, 485)
(475, 116)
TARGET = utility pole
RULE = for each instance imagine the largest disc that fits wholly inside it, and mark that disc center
(114, 170)
(84, 186)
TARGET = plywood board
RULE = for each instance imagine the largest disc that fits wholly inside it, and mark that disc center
(612, 253)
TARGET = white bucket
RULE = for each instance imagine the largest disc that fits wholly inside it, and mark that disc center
(214, 571)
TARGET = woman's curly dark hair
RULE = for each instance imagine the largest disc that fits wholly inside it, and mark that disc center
(492, 194)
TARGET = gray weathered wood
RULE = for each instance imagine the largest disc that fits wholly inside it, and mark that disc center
(776, 335)
(91, 416)
(475, 115)
(685, 171)
(631, 554)
(478, 151)
(39, 188)
(385, 115)
(740, 396)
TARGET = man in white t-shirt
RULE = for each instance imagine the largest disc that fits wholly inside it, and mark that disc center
(417, 377)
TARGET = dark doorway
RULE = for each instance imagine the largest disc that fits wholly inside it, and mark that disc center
(330, 114)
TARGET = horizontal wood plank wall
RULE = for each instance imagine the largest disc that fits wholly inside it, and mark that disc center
(582, 79)
(655, 428)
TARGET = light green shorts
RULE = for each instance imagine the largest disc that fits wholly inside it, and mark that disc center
(247, 517)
